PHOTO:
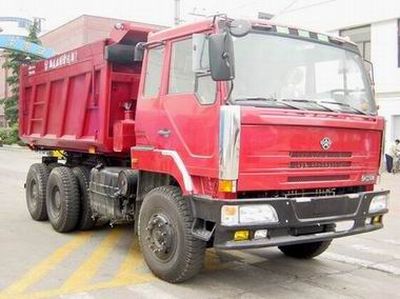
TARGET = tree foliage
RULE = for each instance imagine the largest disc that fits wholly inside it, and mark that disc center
(14, 60)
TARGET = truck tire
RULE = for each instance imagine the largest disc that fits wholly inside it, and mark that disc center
(82, 175)
(51, 166)
(62, 199)
(305, 250)
(35, 188)
(170, 250)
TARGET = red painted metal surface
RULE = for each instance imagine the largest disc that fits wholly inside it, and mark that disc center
(282, 150)
(73, 100)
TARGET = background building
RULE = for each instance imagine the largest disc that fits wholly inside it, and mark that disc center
(375, 27)
(80, 31)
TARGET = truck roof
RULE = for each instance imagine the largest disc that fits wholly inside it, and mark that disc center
(198, 26)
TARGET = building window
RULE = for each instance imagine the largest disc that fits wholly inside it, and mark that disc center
(362, 37)
(152, 81)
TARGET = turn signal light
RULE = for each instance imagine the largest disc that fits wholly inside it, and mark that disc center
(377, 219)
(241, 235)
(92, 149)
(226, 186)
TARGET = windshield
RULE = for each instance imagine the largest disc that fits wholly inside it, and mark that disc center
(271, 69)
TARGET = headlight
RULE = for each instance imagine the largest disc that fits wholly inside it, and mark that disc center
(247, 214)
(229, 215)
(257, 214)
(378, 203)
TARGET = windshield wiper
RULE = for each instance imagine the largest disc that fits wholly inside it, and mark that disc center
(271, 100)
(344, 105)
(311, 102)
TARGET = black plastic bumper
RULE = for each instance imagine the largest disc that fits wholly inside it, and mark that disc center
(301, 220)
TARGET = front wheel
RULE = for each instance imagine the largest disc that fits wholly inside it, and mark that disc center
(170, 250)
(305, 250)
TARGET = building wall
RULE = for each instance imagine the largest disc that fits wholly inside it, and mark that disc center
(80, 31)
(66, 37)
(328, 15)
(384, 56)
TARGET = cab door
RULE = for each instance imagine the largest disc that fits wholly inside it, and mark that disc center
(148, 109)
(189, 111)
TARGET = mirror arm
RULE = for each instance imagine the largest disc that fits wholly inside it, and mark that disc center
(228, 96)
(152, 44)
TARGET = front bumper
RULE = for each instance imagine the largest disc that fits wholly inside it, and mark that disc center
(301, 220)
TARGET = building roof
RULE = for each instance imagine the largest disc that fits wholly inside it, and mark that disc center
(83, 30)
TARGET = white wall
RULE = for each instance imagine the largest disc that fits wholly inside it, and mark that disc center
(384, 56)
(387, 73)
(338, 14)
(389, 107)
(12, 29)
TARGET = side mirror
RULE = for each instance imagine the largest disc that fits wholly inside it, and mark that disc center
(221, 57)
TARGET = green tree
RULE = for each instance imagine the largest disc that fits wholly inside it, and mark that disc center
(14, 60)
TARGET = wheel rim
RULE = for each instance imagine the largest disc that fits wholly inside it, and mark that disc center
(34, 194)
(55, 201)
(161, 237)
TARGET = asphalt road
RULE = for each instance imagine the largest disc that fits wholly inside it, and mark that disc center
(36, 262)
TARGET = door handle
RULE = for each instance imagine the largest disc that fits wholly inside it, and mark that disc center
(164, 133)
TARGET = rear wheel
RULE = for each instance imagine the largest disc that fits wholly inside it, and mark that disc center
(62, 199)
(82, 175)
(36, 182)
(166, 241)
(51, 166)
(305, 250)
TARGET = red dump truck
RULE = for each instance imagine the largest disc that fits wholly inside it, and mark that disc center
(222, 133)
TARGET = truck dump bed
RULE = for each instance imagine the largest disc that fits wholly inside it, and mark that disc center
(78, 100)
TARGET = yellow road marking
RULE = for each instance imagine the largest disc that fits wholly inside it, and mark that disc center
(79, 281)
(87, 270)
(125, 275)
(131, 262)
(39, 271)
(211, 260)
(86, 288)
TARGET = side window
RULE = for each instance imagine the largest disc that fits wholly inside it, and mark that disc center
(182, 79)
(152, 81)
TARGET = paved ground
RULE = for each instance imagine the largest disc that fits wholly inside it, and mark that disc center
(37, 262)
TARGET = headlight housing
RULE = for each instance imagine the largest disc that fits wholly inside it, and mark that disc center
(378, 203)
(248, 214)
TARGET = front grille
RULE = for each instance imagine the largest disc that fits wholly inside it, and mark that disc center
(326, 207)
(319, 164)
(320, 154)
(296, 193)
(310, 193)
(318, 178)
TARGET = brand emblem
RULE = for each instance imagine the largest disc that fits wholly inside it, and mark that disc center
(325, 143)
